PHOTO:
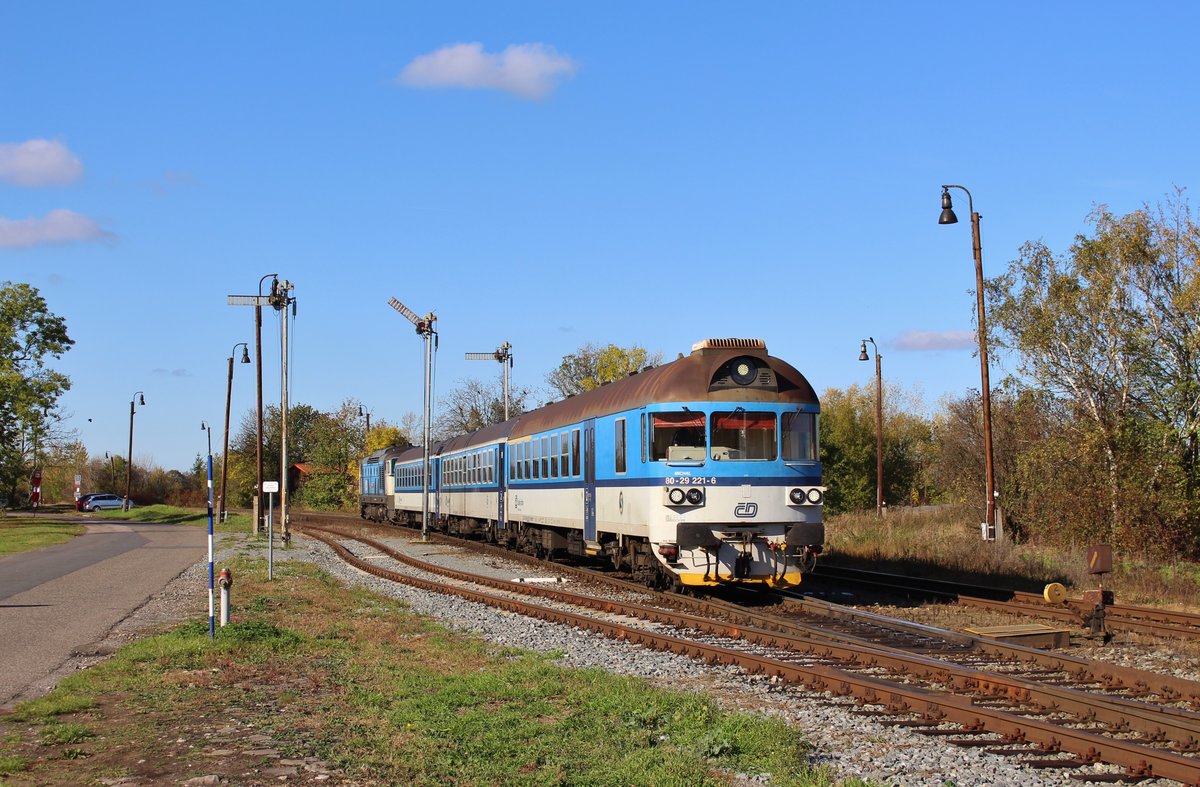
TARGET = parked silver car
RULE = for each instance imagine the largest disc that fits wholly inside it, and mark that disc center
(98, 502)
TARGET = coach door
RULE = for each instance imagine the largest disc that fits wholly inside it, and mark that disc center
(436, 489)
(589, 480)
(501, 484)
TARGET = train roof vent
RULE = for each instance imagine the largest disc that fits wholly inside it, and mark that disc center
(730, 344)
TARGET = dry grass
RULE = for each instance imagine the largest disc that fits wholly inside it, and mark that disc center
(946, 544)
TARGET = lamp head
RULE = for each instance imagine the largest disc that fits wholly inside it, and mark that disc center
(862, 352)
(245, 354)
(141, 399)
(360, 411)
(947, 216)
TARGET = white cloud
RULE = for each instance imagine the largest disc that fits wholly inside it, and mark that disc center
(925, 341)
(528, 71)
(38, 162)
(58, 226)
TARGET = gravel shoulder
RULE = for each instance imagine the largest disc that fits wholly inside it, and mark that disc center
(852, 745)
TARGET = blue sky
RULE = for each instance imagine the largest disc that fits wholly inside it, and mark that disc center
(549, 174)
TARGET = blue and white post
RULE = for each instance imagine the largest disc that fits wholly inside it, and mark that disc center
(211, 601)
(211, 624)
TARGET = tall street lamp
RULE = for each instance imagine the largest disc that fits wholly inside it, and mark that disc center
(948, 217)
(367, 431)
(228, 396)
(862, 356)
(141, 399)
(112, 465)
(257, 301)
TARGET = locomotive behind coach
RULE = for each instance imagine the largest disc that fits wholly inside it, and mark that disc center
(699, 472)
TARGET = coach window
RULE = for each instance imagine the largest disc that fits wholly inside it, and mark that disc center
(545, 457)
(554, 449)
(575, 466)
(619, 445)
(564, 454)
(677, 436)
(642, 440)
(528, 460)
(537, 457)
(742, 434)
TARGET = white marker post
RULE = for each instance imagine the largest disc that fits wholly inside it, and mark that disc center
(211, 627)
(270, 488)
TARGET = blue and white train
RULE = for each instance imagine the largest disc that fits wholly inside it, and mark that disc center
(699, 472)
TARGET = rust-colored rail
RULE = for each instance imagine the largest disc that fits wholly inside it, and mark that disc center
(933, 706)
(1117, 617)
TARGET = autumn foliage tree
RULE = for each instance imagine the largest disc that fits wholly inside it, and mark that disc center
(591, 366)
(1108, 335)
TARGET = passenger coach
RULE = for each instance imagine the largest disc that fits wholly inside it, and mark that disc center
(699, 472)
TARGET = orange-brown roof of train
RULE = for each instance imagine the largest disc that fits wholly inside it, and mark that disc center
(685, 380)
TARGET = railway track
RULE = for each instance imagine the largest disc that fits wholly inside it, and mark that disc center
(1123, 618)
(1059, 711)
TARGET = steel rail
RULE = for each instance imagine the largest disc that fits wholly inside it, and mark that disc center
(933, 707)
(1180, 726)
(1120, 617)
(1112, 677)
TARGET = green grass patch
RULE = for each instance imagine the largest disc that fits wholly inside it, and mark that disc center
(59, 734)
(24, 533)
(382, 696)
(10, 765)
(55, 704)
(173, 515)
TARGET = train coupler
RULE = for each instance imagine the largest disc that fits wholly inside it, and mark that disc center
(741, 566)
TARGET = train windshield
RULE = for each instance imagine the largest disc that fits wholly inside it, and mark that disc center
(799, 437)
(743, 434)
(677, 436)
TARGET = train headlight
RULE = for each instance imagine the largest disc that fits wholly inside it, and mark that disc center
(743, 371)
(806, 495)
(695, 496)
(676, 496)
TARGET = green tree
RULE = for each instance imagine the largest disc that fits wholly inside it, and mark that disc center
(591, 366)
(848, 461)
(475, 404)
(332, 443)
(29, 391)
(1111, 332)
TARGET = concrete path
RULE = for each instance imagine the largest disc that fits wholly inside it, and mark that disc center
(56, 601)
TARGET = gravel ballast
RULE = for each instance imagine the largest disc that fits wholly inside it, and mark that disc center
(852, 745)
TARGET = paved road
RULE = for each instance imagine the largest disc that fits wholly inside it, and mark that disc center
(55, 601)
